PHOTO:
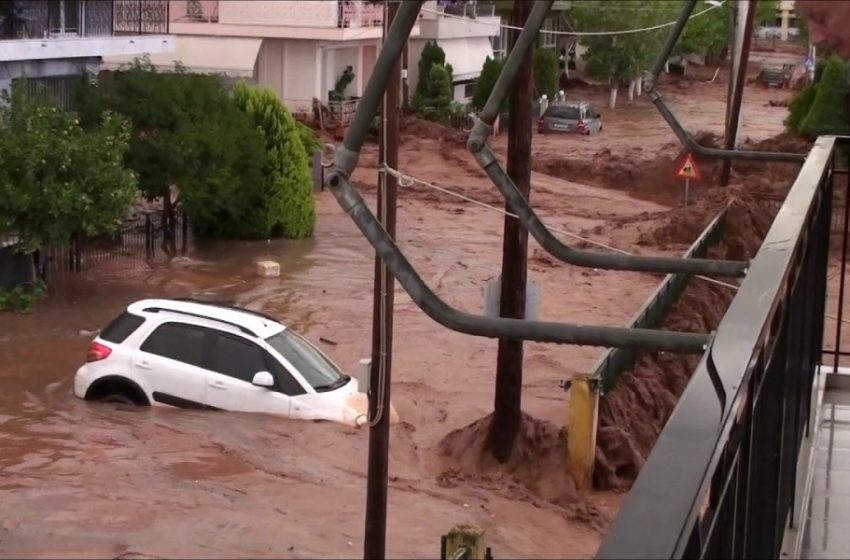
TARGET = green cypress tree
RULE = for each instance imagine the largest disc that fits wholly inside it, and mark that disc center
(800, 105)
(431, 55)
(290, 207)
(486, 82)
(829, 114)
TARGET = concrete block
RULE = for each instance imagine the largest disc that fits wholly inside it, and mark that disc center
(268, 269)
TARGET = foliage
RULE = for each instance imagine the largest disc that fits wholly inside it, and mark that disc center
(431, 55)
(22, 297)
(546, 71)
(436, 100)
(829, 114)
(56, 178)
(159, 106)
(486, 82)
(338, 93)
(186, 129)
(289, 205)
(309, 139)
(224, 192)
(800, 105)
(618, 59)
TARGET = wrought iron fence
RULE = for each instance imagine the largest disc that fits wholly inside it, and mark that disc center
(152, 238)
(721, 480)
(140, 17)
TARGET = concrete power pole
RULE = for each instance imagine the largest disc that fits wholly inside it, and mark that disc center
(507, 413)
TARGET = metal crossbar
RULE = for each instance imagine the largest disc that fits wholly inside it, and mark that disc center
(338, 182)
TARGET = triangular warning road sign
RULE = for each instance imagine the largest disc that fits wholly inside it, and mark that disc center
(688, 169)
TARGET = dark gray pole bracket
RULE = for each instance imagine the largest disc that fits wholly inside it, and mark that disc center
(650, 81)
(349, 199)
(477, 144)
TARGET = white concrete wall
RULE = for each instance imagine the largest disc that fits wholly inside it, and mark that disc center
(81, 47)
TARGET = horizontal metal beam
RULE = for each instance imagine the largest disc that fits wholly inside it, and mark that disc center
(651, 81)
(468, 323)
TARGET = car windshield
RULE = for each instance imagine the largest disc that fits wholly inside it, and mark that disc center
(563, 112)
(319, 371)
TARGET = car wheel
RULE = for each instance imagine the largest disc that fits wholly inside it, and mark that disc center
(117, 398)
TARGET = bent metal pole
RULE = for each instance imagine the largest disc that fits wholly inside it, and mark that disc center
(650, 83)
(349, 199)
(485, 157)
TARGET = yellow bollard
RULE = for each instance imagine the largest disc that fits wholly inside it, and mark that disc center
(464, 541)
(581, 431)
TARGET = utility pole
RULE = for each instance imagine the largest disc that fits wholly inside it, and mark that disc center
(733, 123)
(375, 538)
(507, 413)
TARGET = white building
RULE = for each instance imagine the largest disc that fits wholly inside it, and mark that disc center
(52, 42)
(298, 48)
(466, 31)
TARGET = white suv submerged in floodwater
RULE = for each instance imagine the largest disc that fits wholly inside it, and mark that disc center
(193, 354)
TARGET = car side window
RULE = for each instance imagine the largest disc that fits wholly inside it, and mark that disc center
(287, 384)
(177, 341)
(237, 358)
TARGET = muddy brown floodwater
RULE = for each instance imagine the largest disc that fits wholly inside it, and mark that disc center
(88, 480)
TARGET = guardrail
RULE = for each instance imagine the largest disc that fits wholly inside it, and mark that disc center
(721, 479)
(651, 315)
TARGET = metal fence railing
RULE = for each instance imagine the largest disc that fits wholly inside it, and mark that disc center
(721, 479)
(150, 239)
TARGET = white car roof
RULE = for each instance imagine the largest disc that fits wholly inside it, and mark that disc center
(259, 325)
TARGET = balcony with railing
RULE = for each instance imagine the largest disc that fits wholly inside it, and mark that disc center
(459, 20)
(45, 29)
(301, 19)
(51, 19)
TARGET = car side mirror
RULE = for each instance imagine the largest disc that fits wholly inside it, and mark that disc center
(263, 379)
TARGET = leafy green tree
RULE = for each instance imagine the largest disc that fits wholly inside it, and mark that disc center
(57, 179)
(829, 114)
(432, 54)
(225, 192)
(176, 125)
(800, 105)
(546, 71)
(486, 82)
(436, 101)
(289, 204)
(618, 59)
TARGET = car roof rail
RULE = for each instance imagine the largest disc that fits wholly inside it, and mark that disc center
(245, 330)
(227, 306)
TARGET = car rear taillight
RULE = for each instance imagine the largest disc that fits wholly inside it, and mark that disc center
(97, 352)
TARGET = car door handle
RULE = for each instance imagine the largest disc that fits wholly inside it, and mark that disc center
(144, 365)
(217, 385)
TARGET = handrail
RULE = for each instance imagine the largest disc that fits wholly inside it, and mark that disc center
(765, 353)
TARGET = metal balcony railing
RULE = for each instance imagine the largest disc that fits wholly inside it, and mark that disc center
(721, 480)
(193, 11)
(140, 17)
(43, 19)
(360, 14)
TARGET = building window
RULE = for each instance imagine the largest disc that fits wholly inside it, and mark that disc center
(469, 89)
(500, 44)
(549, 39)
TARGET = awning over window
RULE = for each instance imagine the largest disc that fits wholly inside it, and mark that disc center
(466, 55)
(232, 56)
